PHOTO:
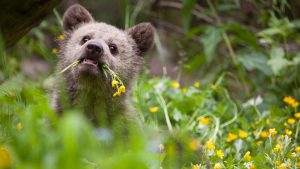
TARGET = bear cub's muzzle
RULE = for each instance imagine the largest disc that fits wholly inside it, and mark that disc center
(93, 54)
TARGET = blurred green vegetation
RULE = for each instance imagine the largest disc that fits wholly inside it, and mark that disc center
(235, 101)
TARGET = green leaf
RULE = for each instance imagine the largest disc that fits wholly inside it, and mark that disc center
(277, 52)
(188, 6)
(255, 60)
(243, 34)
(194, 63)
(277, 61)
(210, 39)
(296, 59)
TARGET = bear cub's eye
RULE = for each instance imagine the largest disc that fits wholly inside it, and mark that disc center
(113, 48)
(85, 39)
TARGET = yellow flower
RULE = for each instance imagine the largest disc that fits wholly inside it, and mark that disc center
(297, 115)
(295, 104)
(212, 86)
(291, 120)
(272, 132)
(196, 166)
(231, 137)
(114, 83)
(209, 145)
(243, 134)
(293, 154)
(252, 166)
(247, 156)
(116, 94)
(297, 149)
(153, 109)
(264, 134)
(19, 126)
(122, 89)
(277, 148)
(282, 136)
(5, 160)
(282, 166)
(217, 166)
(291, 101)
(277, 163)
(204, 121)
(288, 132)
(194, 144)
(298, 164)
(61, 37)
(184, 90)
(197, 84)
(220, 153)
(175, 85)
(54, 50)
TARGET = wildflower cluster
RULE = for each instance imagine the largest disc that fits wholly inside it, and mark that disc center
(291, 101)
(231, 136)
(116, 81)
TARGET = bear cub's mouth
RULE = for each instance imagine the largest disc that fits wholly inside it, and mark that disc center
(89, 61)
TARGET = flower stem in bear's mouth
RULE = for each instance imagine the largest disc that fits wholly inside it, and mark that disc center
(116, 81)
(69, 66)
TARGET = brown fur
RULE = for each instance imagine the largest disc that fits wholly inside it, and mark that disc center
(88, 88)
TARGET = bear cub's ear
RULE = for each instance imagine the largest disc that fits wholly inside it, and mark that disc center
(143, 35)
(74, 16)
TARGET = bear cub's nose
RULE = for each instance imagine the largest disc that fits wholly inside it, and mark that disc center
(94, 49)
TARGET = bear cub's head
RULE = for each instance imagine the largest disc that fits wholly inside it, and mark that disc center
(94, 44)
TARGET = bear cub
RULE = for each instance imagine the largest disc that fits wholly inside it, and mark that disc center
(95, 44)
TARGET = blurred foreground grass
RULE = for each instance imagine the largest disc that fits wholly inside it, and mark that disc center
(196, 126)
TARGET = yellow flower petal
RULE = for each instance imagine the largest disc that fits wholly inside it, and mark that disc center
(116, 94)
(282, 166)
(194, 144)
(209, 145)
(297, 115)
(247, 156)
(272, 132)
(114, 83)
(217, 166)
(122, 89)
(264, 134)
(243, 134)
(153, 109)
(288, 132)
(252, 166)
(291, 120)
(220, 153)
(231, 137)
(54, 50)
(175, 85)
(196, 166)
(61, 37)
(204, 121)
(197, 84)
(19, 126)
(5, 159)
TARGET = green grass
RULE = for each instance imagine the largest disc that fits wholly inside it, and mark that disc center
(176, 133)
